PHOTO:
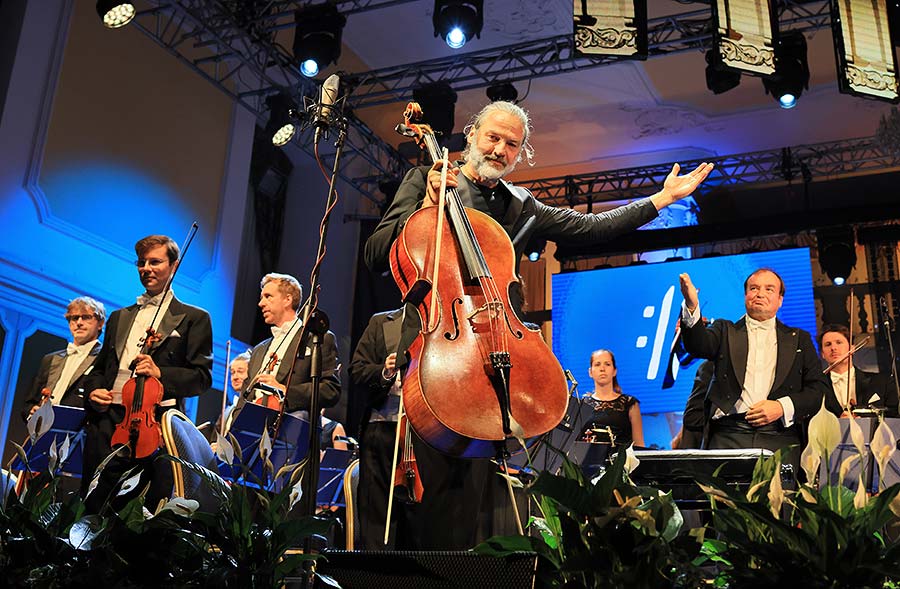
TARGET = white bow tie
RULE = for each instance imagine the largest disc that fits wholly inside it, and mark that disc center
(753, 325)
(282, 331)
(146, 300)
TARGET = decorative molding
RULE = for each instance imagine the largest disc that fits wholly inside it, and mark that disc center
(652, 121)
(602, 40)
(748, 55)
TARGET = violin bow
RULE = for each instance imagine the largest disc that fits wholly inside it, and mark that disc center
(225, 386)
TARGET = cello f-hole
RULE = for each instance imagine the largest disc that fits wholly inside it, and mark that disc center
(455, 315)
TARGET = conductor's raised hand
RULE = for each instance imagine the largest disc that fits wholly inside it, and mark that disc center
(433, 182)
(689, 292)
(677, 187)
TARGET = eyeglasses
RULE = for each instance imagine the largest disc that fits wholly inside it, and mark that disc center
(152, 262)
(85, 317)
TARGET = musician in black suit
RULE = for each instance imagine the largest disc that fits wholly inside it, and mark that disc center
(279, 302)
(866, 389)
(62, 373)
(497, 138)
(181, 359)
(374, 368)
(767, 380)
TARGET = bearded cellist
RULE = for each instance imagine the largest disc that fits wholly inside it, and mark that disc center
(458, 509)
(180, 358)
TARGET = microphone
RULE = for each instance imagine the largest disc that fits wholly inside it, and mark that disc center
(885, 312)
(327, 99)
(570, 377)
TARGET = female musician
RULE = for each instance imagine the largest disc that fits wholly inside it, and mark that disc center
(181, 359)
(456, 507)
(611, 407)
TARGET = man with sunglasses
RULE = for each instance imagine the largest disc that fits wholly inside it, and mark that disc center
(62, 373)
(181, 358)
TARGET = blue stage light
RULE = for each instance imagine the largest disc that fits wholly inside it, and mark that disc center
(456, 38)
(309, 68)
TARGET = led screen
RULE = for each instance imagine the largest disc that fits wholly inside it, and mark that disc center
(632, 311)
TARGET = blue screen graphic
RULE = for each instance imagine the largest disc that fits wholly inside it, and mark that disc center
(632, 311)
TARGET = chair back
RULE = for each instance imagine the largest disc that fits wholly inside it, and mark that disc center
(184, 440)
(351, 483)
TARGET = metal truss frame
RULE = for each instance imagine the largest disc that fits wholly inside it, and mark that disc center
(239, 56)
(556, 55)
(234, 48)
(821, 160)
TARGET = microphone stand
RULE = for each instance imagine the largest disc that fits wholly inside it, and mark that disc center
(887, 331)
(312, 315)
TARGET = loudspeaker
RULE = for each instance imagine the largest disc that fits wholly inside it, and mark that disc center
(428, 570)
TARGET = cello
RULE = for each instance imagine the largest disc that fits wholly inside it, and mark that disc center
(141, 394)
(477, 375)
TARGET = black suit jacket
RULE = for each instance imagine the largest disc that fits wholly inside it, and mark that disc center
(48, 376)
(696, 410)
(184, 355)
(798, 372)
(380, 338)
(298, 394)
(868, 385)
(525, 217)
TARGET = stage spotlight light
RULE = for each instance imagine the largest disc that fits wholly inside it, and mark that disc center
(837, 252)
(317, 38)
(283, 119)
(720, 78)
(502, 91)
(115, 13)
(791, 70)
(534, 248)
(458, 21)
(438, 102)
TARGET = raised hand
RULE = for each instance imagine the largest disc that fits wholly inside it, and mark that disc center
(677, 187)
(689, 292)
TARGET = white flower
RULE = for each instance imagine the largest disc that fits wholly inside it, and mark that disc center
(824, 432)
(776, 492)
(809, 461)
(883, 447)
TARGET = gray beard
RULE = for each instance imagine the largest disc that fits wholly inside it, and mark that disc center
(485, 170)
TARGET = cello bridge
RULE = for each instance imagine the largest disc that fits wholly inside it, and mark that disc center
(495, 307)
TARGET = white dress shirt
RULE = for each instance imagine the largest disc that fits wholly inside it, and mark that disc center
(138, 333)
(839, 384)
(762, 356)
(75, 355)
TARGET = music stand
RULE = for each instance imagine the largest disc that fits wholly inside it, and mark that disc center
(289, 446)
(67, 421)
(330, 491)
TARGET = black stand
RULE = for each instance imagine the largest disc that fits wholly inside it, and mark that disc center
(317, 325)
(887, 332)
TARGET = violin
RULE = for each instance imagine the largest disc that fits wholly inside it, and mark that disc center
(477, 376)
(141, 394)
(406, 473)
(270, 397)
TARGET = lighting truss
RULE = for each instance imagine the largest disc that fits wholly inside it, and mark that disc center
(237, 57)
(237, 53)
(824, 160)
(556, 55)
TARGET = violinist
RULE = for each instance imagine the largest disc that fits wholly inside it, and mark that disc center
(497, 138)
(62, 373)
(374, 368)
(180, 358)
(279, 302)
(852, 387)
